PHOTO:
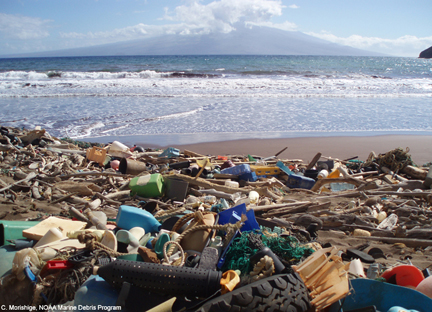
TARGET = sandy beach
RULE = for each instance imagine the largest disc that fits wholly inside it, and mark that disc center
(304, 148)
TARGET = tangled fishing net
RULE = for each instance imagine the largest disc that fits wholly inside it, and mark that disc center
(395, 160)
(249, 243)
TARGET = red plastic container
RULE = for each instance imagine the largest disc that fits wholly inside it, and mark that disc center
(404, 275)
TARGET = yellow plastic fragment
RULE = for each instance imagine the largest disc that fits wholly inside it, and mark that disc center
(229, 281)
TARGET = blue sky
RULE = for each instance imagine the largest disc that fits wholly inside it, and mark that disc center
(395, 27)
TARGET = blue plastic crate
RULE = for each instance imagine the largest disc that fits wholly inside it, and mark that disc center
(248, 176)
(237, 170)
(297, 181)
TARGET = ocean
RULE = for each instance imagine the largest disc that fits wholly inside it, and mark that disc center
(168, 100)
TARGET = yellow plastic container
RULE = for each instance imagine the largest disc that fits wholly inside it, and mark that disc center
(96, 154)
(334, 174)
(265, 170)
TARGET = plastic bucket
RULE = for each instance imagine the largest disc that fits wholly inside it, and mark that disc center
(151, 185)
(176, 189)
(130, 166)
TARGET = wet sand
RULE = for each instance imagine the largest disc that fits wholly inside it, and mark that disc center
(304, 148)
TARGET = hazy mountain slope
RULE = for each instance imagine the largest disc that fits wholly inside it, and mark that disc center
(255, 41)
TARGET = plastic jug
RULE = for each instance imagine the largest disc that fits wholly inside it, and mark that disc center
(129, 217)
(151, 185)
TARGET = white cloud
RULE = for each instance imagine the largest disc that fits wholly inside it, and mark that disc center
(403, 46)
(288, 26)
(196, 18)
(23, 27)
(293, 6)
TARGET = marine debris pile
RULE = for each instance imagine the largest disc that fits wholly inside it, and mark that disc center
(114, 227)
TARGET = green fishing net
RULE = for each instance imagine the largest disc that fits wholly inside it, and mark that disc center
(82, 144)
(249, 243)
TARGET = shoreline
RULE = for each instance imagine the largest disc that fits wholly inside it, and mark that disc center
(304, 148)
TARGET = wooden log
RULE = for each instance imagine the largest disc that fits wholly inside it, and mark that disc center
(399, 194)
(62, 198)
(415, 172)
(398, 177)
(117, 194)
(277, 206)
(94, 173)
(285, 211)
(192, 154)
(409, 242)
(108, 200)
(313, 161)
(209, 185)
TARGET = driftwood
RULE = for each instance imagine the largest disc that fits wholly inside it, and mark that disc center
(285, 211)
(415, 172)
(278, 206)
(313, 161)
(410, 242)
(29, 177)
(81, 188)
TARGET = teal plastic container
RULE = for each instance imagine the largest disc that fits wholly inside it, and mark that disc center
(95, 292)
(384, 296)
(129, 217)
(10, 230)
(148, 186)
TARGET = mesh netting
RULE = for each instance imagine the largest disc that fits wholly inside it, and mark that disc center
(250, 242)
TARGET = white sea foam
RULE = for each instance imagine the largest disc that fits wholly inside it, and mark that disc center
(153, 84)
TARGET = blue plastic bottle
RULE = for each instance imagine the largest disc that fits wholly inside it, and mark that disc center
(129, 217)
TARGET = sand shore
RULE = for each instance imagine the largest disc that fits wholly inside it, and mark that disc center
(304, 148)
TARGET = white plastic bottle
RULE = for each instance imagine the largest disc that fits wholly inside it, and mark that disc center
(388, 223)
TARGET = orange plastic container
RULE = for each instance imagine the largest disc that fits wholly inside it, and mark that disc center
(96, 154)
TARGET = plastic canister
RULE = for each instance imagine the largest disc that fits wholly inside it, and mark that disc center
(323, 174)
(129, 217)
(151, 185)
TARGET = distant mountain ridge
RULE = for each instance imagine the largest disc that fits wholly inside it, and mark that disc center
(243, 41)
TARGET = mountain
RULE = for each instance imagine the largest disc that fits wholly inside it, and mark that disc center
(243, 41)
(426, 53)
